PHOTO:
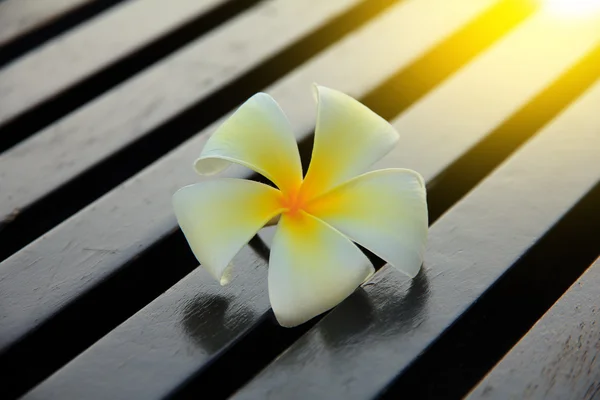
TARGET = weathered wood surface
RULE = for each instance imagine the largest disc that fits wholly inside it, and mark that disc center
(559, 358)
(195, 308)
(99, 288)
(95, 254)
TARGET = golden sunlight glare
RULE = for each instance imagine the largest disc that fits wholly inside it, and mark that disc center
(575, 8)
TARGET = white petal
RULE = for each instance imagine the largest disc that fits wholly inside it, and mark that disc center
(258, 136)
(219, 217)
(349, 138)
(384, 211)
(312, 268)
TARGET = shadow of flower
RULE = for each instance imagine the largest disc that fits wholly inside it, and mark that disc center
(394, 302)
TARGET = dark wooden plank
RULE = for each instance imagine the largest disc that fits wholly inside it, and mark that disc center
(148, 30)
(86, 154)
(558, 358)
(185, 327)
(357, 352)
(27, 23)
(96, 258)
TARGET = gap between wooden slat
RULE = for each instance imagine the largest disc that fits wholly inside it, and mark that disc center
(25, 24)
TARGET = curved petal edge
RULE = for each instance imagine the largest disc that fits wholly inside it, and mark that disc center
(258, 136)
(219, 217)
(349, 138)
(385, 211)
(312, 268)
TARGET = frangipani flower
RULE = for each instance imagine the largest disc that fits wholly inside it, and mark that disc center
(313, 264)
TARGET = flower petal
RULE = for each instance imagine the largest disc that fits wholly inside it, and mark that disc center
(258, 136)
(219, 217)
(312, 268)
(349, 138)
(384, 211)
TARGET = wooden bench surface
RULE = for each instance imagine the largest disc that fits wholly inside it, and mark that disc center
(100, 297)
(559, 357)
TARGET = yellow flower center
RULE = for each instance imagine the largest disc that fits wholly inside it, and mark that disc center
(293, 202)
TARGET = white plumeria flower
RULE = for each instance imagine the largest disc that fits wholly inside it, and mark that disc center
(314, 264)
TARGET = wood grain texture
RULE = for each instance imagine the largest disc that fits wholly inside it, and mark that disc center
(357, 352)
(560, 357)
(77, 54)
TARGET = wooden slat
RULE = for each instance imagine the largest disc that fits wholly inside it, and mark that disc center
(83, 53)
(558, 358)
(184, 327)
(356, 352)
(20, 17)
(94, 250)
(31, 171)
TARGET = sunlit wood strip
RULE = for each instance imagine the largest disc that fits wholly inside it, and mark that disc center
(461, 111)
